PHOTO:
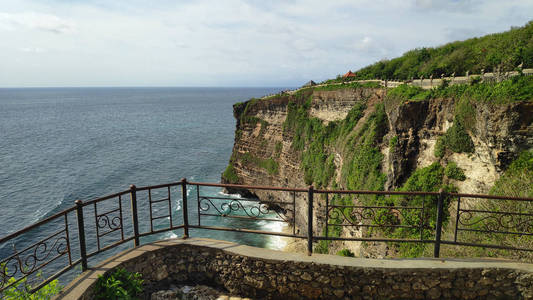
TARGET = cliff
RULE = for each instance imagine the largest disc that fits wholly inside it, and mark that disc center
(364, 137)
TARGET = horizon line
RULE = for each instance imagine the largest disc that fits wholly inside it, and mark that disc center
(140, 86)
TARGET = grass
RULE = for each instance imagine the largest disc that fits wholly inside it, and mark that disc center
(268, 164)
(506, 49)
(230, 175)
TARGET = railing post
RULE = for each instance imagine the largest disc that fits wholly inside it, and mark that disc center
(438, 229)
(184, 208)
(81, 235)
(134, 216)
(310, 221)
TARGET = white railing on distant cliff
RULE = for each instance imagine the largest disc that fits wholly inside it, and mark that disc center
(427, 83)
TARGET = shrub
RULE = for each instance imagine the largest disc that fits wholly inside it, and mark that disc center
(444, 84)
(455, 139)
(346, 252)
(322, 247)
(21, 289)
(428, 179)
(458, 140)
(362, 171)
(465, 113)
(268, 164)
(454, 172)
(408, 92)
(474, 80)
(230, 175)
(517, 180)
(393, 142)
(119, 284)
(440, 147)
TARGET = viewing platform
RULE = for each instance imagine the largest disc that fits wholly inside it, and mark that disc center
(130, 222)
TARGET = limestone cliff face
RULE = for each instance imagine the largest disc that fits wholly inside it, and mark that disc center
(260, 136)
(264, 154)
(500, 132)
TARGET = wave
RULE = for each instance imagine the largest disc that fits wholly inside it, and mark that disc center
(170, 235)
(44, 211)
(236, 196)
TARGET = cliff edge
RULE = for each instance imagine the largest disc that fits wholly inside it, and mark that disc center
(365, 137)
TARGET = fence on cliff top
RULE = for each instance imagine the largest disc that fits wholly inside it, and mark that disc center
(81, 233)
(426, 83)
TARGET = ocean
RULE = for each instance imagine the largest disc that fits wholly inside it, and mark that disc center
(58, 145)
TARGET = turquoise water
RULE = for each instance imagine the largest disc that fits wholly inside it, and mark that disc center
(58, 145)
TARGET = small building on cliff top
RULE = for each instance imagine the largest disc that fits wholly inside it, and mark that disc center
(349, 74)
(309, 83)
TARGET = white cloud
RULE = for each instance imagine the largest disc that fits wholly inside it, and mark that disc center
(234, 42)
(32, 50)
(34, 20)
(458, 6)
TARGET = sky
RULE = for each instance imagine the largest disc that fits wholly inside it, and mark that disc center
(233, 43)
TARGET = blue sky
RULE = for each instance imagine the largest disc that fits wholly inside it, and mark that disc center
(226, 43)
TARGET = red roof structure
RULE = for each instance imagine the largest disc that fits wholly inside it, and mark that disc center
(349, 74)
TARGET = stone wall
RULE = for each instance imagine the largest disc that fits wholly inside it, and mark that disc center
(266, 274)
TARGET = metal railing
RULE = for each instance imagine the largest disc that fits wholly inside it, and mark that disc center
(63, 241)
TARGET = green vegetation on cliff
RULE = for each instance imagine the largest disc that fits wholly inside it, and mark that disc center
(456, 139)
(362, 168)
(517, 88)
(268, 164)
(230, 175)
(517, 180)
(453, 171)
(354, 145)
(317, 141)
(346, 84)
(508, 49)
(428, 179)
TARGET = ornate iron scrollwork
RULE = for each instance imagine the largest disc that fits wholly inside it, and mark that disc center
(235, 205)
(31, 259)
(497, 222)
(377, 216)
(113, 223)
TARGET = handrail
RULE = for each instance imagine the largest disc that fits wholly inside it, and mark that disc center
(28, 228)
(244, 187)
(108, 221)
(105, 198)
